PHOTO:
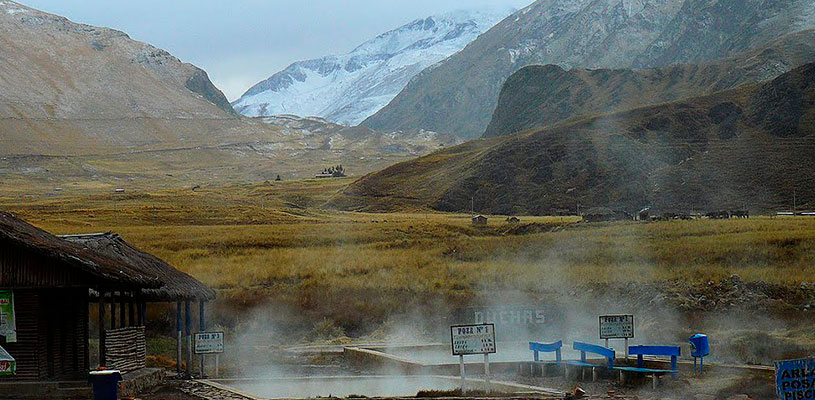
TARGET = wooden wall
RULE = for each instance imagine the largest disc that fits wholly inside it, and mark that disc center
(126, 349)
(52, 335)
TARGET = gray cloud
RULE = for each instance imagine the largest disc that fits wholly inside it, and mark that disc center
(241, 42)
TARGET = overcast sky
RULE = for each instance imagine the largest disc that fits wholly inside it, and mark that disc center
(241, 42)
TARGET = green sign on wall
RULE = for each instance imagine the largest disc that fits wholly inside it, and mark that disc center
(8, 328)
(7, 364)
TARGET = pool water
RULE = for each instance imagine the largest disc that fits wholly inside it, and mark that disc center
(343, 386)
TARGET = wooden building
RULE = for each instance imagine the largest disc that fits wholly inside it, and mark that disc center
(479, 220)
(55, 279)
(51, 280)
(602, 214)
(177, 287)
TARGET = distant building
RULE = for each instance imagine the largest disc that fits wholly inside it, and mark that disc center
(513, 220)
(601, 214)
(333, 172)
(479, 220)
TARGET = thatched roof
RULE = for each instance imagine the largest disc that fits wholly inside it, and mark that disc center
(600, 211)
(177, 285)
(107, 270)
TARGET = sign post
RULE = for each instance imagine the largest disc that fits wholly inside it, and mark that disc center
(209, 343)
(795, 379)
(473, 339)
(617, 327)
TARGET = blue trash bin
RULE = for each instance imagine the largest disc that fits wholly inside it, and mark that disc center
(701, 349)
(105, 384)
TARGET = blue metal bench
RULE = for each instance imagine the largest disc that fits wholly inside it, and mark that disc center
(584, 348)
(538, 348)
(640, 351)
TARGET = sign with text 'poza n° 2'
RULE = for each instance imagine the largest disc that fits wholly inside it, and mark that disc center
(616, 327)
(473, 339)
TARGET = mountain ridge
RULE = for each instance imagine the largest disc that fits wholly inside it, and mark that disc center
(348, 88)
(460, 94)
(747, 146)
(538, 96)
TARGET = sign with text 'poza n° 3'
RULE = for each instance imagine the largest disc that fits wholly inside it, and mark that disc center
(473, 339)
(616, 327)
(795, 379)
(209, 343)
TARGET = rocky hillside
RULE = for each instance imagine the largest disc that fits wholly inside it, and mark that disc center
(68, 88)
(348, 88)
(538, 96)
(460, 94)
(746, 147)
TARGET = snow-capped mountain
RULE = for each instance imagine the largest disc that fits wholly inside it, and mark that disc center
(348, 88)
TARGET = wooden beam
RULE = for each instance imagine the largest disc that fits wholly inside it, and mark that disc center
(187, 310)
(131, 312)
(101, 305)
(178, 336)
(112, 311)
(122, 310)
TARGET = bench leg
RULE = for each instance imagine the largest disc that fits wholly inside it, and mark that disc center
(582, 374)
(622, 378)
(654, 380)
(594, 374)
(566, 373)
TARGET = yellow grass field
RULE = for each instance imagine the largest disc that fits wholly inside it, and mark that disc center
(271, 242)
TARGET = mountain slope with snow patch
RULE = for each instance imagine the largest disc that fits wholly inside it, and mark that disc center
(348, 88)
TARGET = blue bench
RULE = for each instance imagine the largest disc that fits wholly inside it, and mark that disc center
(640, 351)
(584, 348)
(538, 348)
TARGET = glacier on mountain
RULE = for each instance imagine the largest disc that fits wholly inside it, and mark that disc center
(348, 88)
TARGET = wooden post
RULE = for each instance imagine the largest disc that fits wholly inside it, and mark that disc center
(122, 311)
(112, 311)
(143, 313)
(201, 328)
(178, 336)
(189, 336)
(487, 372)
(626, 349)
(217, 358)
(101, 305)
(131, 312)
(463, 379)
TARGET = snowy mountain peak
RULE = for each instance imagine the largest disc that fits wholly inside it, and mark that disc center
(348, 88)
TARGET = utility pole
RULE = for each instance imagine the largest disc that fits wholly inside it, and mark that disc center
(794, 202)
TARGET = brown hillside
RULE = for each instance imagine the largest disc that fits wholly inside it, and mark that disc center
(72, 89)
(751, 146)
(538, 96)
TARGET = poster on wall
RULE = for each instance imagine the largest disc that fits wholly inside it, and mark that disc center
(8, 328)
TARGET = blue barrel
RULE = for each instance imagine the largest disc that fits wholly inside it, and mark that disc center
(701, 347)
(105, 384)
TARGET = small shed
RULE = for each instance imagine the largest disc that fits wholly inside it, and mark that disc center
(513, 220)
(601, 214)
(176, 287)
(479, 220)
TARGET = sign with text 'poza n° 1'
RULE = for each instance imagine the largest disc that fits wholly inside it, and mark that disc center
(616, 327)
(795, 379)
(473, 339)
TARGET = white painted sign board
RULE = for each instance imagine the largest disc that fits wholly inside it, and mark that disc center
(209, 343)
(473, 339)
(616, 326)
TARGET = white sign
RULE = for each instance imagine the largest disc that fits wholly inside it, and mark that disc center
(209, 342)
(616, 327)
(473, 339)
